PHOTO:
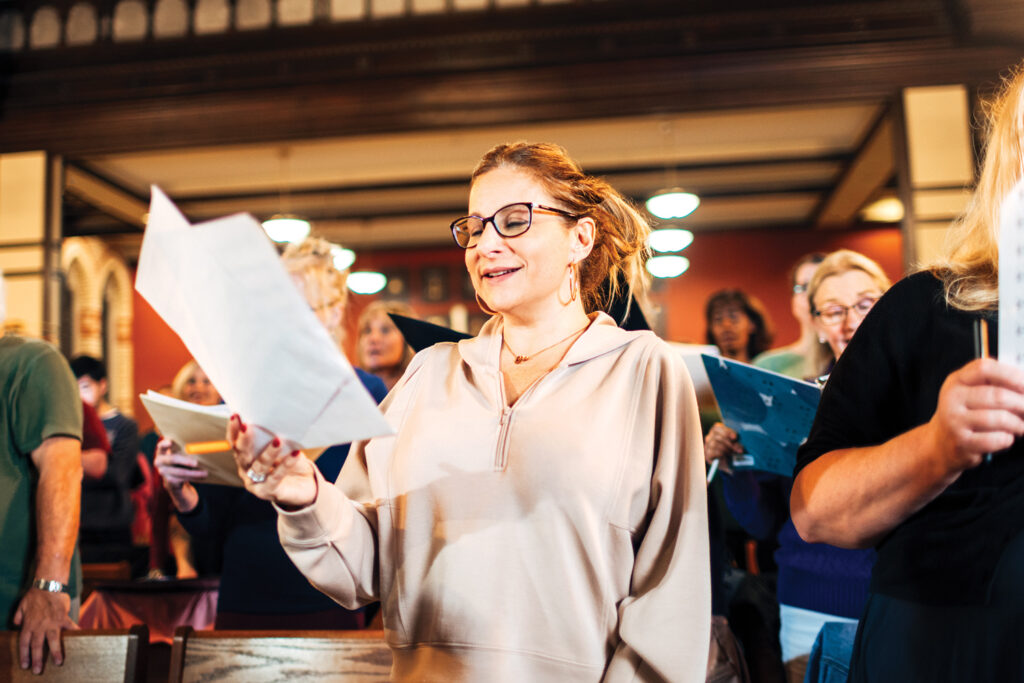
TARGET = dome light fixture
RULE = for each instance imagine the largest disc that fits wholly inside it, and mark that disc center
(670, 239)
(884, 210)
(667, 266)
(366, 282)
(672, 203)
(343, 258)
(286, 228)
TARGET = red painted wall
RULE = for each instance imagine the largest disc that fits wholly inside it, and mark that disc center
(758, 262)
(755, 261)
(159, 354)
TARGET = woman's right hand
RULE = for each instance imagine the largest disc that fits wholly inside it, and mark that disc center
(721, 442)
(178, 471)
(276, 473)
(980, 411)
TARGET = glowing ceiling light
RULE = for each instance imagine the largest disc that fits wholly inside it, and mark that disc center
(366, 282)
(670, 239)
(673, 203)
(343, 258)
(667, 266)
(884, 210)
(286, 228)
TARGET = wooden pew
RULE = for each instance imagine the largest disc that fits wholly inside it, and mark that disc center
(258, 656)
(89, 657)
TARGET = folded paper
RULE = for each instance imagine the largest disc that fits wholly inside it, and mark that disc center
(221, 287)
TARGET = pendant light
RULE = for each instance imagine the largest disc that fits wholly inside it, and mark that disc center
(286, 226)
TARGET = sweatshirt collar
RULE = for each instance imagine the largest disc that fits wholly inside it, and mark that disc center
(483, 351)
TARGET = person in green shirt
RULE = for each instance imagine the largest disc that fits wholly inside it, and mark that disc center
(40, 490)
(808, 356)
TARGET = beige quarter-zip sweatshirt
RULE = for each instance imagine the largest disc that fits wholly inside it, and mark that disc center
(561, 539)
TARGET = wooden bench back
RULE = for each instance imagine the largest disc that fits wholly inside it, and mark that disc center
(271, 656)
(103, 656)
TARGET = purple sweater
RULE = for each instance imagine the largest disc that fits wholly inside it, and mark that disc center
(813, 576)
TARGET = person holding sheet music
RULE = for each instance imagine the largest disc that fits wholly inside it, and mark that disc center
(916, 451)
(737, 324)
(540, 514)
(260, 588)
(817, 583)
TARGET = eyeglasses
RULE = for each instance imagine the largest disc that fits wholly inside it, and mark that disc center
(834, 315)
(509, 221)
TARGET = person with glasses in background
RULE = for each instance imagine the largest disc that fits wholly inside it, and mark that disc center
(817, 583)
(540, 514)
(916, 450)
(805, 357)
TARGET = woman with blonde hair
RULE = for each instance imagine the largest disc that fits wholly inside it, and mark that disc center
(382, 349)
(916, 451)
(817, 583)
(540, 514)
(259, 587)
(191, 384)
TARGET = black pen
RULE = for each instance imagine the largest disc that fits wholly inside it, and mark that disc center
(981, 350)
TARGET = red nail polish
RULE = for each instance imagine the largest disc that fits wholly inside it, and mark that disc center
(234, 416)
(295, 454)
(241, 425)
(276, 442)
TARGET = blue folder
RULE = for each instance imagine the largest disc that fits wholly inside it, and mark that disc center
(771, 413)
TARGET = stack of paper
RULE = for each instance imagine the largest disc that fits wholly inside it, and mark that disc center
(1011, 278)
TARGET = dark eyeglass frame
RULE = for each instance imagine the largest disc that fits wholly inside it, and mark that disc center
(834, 310)
(531, 208)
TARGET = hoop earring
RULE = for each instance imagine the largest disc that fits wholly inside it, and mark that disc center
(483, 305)
(574, 281)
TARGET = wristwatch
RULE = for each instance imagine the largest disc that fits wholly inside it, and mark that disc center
(50, 586)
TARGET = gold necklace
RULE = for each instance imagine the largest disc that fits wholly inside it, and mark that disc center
(522, 359)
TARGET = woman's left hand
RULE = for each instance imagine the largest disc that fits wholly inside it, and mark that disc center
(277, 473)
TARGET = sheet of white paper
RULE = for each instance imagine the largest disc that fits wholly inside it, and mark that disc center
(691, 354)
(221, 287)
(1011, 278)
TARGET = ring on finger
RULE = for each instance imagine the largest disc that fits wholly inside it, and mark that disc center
(255, 477)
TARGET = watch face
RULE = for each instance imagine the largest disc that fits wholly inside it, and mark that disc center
(50, 586)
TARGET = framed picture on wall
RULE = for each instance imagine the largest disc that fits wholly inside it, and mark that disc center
(435, 283)
(398, 284)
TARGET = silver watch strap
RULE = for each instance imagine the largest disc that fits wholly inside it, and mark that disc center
(50, 586)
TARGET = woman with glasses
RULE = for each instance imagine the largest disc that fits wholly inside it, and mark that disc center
(804, 357)
(916, 451)
(817, 583)
(540, 514)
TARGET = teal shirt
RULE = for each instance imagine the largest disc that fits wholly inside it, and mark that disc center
(789, 363)
(38, 400)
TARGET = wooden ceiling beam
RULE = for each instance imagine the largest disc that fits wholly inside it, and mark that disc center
(871, 168)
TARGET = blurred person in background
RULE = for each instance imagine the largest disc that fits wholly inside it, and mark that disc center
(806, 357)
(107, 510)
(381, 347)
(737, 324)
